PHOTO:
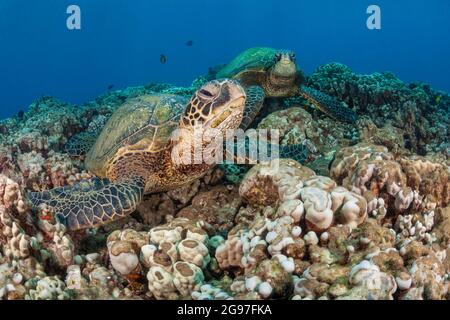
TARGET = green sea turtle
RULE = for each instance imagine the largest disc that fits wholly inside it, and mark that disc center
(135, 153)
(269, 72)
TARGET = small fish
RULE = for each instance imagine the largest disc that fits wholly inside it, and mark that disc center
(162, 59)
(20, 114)
(189, 43)
(110, 86)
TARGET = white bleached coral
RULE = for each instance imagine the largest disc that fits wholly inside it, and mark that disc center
(48, 288)
(123, 248)
(296, 188)
(406, 180)
(275, 182)
(176, 254)
(11, 195)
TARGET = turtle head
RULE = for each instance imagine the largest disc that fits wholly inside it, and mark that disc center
(214, 111)
(284, 70)
(218, 104)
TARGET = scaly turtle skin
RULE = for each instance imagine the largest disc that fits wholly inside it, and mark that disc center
(81, 143)
(138, 152)
(276, 72)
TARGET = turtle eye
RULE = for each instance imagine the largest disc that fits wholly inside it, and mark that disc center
(206, 93)
(292, 56)
(277, 56)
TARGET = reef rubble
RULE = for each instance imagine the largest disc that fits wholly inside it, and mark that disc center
(367, 217)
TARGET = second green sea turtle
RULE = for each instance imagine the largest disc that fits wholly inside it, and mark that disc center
(268, 72)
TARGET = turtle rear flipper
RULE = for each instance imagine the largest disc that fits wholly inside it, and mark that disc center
(297, 152)
(81, 143)
(328, 105)
(92, 203)
(251, 149)
(246, 152)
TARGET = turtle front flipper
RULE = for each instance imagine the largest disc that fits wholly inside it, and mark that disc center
(255, 99)
(328, 105)
(81, 143)
(92, 203)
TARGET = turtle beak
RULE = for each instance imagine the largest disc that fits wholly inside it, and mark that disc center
(233, 110)
(237, 96)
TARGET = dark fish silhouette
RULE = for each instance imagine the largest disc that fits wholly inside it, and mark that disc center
(162, 59)
(110, 86)
(189, 43)
(20, 114)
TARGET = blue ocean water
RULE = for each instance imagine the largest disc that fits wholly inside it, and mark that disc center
(120, 42)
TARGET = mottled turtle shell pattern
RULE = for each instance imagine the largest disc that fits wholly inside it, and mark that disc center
(143, 123)
(252, 60)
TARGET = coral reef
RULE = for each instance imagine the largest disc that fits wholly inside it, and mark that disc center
(366, 217)
(420, 113)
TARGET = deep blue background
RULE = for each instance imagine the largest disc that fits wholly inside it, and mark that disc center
(121, 41)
